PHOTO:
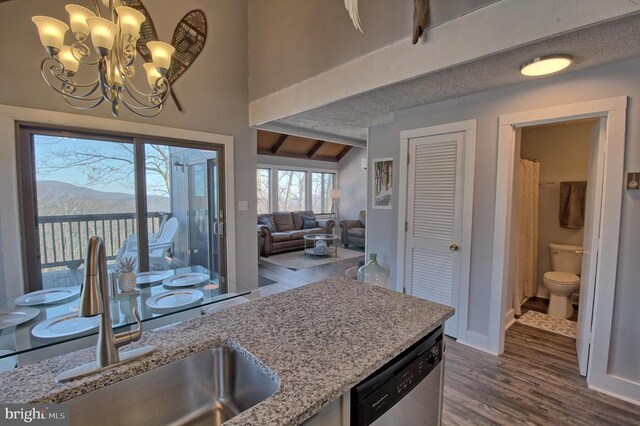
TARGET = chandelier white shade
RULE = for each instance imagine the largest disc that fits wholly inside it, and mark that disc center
(129, 20)
(71, 64)
(103, 34)
(161, 53)
(113, 33)
(51, 32)
(152, 74)
(78, 18)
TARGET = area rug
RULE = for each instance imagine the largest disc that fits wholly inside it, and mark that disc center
(547, 322)
(351, 273)
(296, 260)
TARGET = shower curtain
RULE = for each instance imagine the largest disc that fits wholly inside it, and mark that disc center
(526, 271)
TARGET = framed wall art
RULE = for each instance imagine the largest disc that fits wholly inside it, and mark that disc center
(382, 183)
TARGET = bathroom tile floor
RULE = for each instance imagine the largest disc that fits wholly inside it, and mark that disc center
(539, 304)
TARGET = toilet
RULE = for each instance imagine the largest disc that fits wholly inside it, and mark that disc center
(563, 280)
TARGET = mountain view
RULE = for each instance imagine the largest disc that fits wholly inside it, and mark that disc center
(61, 198)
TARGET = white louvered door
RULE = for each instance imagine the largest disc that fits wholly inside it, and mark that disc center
(434, 220)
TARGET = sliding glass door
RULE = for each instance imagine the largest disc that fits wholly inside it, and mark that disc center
(157, 203)
(81, 187)
(203, 214)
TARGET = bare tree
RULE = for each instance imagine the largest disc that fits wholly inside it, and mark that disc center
(100, 164)
(291, 190)
(263, 190)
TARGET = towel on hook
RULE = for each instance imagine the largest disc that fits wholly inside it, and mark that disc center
(573, 197)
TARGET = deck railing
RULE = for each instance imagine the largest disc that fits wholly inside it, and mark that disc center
(63, 239)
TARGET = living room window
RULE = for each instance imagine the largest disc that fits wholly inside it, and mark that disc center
(263, 186)
(321, 185)
(291, 188)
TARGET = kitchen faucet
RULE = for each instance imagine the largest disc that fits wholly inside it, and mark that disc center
(94, 300)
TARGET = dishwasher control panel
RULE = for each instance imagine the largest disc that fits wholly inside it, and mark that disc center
(378, 393)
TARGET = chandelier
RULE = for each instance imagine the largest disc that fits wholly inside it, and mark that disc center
(112, 59)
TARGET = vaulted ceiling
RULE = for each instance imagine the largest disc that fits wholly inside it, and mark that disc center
(283, 145)
(601, 44)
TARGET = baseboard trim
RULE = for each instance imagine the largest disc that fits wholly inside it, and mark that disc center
(615, 395)
(509, 319)
(476, 341)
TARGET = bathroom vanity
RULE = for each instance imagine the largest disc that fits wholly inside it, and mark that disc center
(308, 347)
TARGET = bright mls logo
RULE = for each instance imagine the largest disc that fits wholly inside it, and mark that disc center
(37, 414)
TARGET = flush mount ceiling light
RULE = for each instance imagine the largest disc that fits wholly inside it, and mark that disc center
(113, 36)
(545, 65)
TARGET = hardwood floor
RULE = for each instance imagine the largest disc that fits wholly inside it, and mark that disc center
(286, 279)
(536, 381)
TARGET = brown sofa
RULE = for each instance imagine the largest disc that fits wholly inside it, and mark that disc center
(353, 231)
(289, 233)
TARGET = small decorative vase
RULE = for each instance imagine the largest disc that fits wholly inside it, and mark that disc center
(373, 273)
(127, 282)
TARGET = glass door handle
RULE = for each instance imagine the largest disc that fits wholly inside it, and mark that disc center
(220, 224)
(217, 228)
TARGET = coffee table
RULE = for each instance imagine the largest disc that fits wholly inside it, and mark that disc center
(311, 240)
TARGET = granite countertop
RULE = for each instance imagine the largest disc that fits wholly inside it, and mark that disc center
(318, 341)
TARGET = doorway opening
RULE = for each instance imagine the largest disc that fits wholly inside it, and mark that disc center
(555, 212)
(601, 231)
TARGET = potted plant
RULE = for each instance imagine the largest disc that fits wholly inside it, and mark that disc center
(127, 279)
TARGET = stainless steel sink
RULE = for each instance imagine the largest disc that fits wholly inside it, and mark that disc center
(209, 387)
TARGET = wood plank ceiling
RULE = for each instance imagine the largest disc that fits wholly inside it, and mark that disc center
(281, 145)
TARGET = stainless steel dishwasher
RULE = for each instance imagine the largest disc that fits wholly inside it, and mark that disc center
(405, 392)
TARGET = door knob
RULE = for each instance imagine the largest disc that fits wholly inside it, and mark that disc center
(454, 247)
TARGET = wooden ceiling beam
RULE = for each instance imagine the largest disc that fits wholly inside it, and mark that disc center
(314, 151)
(301, 156)
(281, 140)
(344, 152)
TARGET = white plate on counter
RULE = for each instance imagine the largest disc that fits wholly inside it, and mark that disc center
(144, 278)
(11, 317)
(65, 325)
(185, 280)
(50, 295)
(174, 298)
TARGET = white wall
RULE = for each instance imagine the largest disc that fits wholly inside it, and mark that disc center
(501, 26)
(563, 153)
(213, 92)
(602, 82)
(383, 142)
(353, 184)
(292, 40)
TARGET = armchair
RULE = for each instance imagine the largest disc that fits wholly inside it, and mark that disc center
(352, 232)
(158, 245)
